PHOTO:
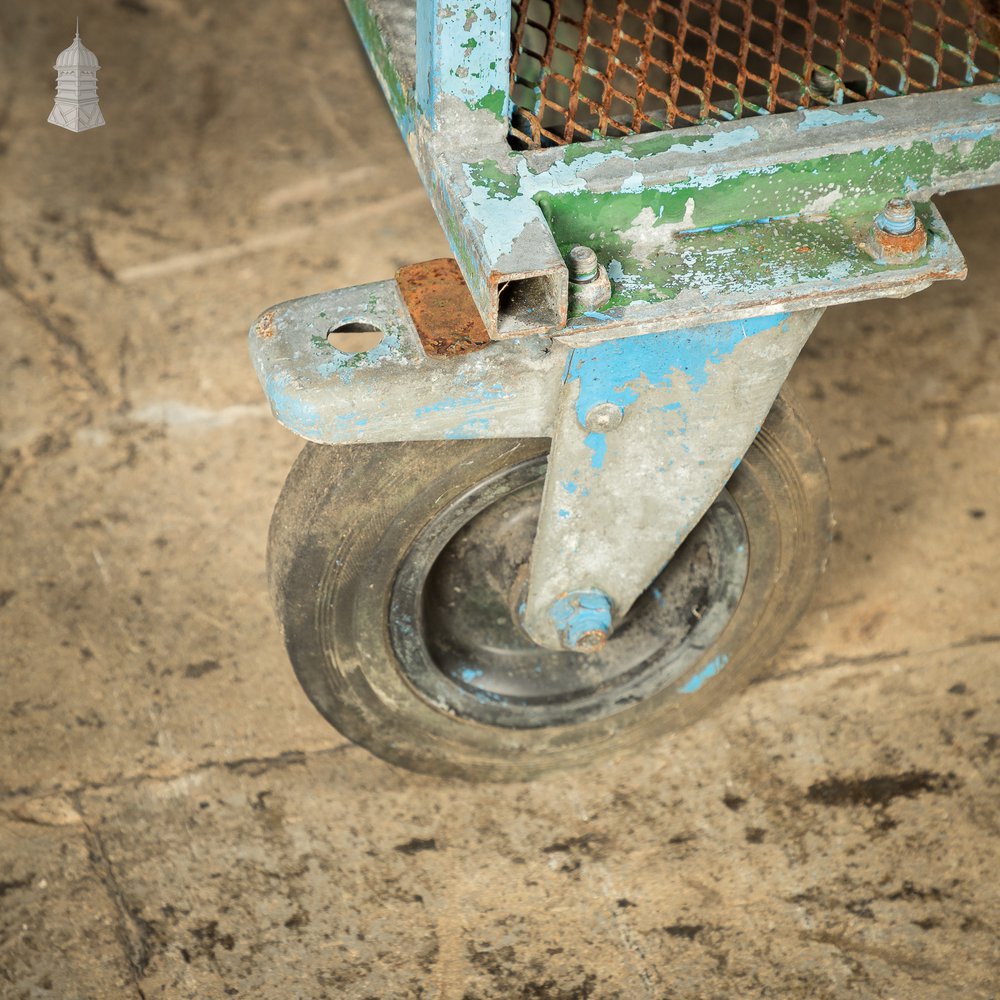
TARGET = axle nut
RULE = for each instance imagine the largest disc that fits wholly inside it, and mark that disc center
(583, 620)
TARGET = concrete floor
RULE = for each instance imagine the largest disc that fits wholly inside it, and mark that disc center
(175, 818)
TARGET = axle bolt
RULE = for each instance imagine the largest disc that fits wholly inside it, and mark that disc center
(603, 417)
(583, 620)
(582, 264)
(898, 218)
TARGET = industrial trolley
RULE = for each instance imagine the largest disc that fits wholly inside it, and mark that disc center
(554, 501)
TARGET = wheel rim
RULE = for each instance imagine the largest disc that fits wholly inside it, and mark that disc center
(453, 620)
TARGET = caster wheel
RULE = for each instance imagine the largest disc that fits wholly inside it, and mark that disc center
(397, 569)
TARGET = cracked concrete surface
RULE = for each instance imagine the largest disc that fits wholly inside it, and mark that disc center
(175, 818)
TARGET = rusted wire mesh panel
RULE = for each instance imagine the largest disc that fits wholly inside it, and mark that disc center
(586, 68)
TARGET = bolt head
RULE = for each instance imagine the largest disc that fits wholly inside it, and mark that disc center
(603, 417)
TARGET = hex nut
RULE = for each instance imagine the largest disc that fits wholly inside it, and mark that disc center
(892, 248)
(583, 619)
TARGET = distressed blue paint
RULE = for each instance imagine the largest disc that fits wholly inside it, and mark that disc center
(617, 370)
(580, 612)
(470, 674)
(721, 141)
(474, 427)
(705, 674)
(479, 397)
(821, 117)
(598, 444)
(458, 51)
(563, 512)
(965, 134)
(989, 99)
(594, 314)
(350, 424)
(340, 364)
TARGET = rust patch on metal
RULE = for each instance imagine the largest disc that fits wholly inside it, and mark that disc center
(441, 307)
(265, 325)
(892, 248)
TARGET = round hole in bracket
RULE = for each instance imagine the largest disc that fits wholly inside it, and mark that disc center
(354, 338)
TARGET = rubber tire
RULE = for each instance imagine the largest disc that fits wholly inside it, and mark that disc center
(348, 514)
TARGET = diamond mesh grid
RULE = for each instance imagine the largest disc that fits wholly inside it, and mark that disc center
(587, 68)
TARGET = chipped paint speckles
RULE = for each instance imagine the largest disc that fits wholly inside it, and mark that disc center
(335, 363)
(471, 408)
(992, 98)
(457, 46)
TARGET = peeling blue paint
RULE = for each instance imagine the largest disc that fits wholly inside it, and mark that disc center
(479, 397)
(965, 134)
(580, 612)
(474, 427)
(340, 364)
(608, 372)
(456, 52)
(617, 370)
(705, 674)
(991, 98)
(598, 444)
(821, 117)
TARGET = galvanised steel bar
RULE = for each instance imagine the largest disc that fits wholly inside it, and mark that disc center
(648, 430)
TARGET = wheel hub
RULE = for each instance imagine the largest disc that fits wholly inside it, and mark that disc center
(454, 625)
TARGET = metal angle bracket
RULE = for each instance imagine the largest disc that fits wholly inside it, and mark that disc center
(647, 432)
